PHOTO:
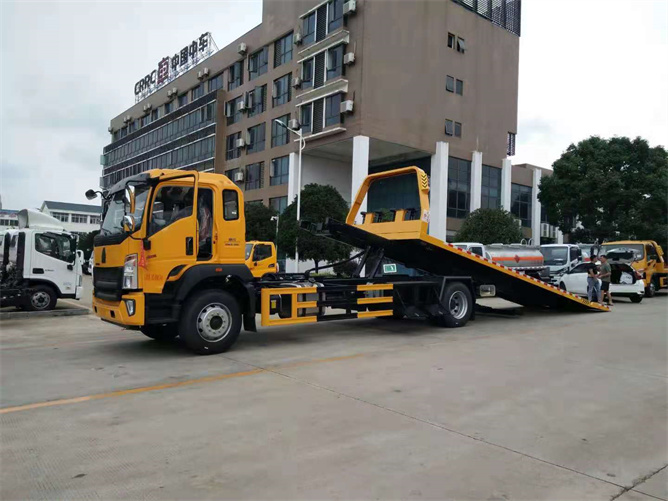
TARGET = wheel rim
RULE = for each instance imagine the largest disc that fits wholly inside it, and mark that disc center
(652, 287)
(458, 305)
(214, 322)
(40, 300)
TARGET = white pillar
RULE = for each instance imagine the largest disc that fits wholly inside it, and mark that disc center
(360, 169)
(506, 180)
(291, 264)
(535, 207)
(438, 192)
(560, 237)
(476, 181)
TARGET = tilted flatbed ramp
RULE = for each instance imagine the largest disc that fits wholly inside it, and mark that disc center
(405, 240)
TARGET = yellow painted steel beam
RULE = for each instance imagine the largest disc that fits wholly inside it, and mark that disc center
(371, 314)
(375, 300)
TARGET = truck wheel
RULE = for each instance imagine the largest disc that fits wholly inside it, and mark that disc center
(650, 290)
(562, 286)
(42, 298)
(458, 304)
(211, 322)
(160, 332)
(636, 299)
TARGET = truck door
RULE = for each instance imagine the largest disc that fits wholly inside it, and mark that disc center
(172, 233)
(53, 259)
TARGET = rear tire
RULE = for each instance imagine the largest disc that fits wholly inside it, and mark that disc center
(160, 332)
(458, 303)
(650, 290)
(42, 298)
(211, 322)
(636, 299)
(563, 286)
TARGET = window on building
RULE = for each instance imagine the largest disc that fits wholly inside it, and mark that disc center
(256, 100)
(132, 126)
(232, 111)
(279, 135)
(281, 92)
(510, 143)
(256, 137)
(520, 196)
(235, 75)
(61, 216)
(308, 29)
(305, 118)
(254, 176)
(231, 174)
(458, 129)
(95, 219)
(490, 192)
(168, 108)
(258, 63)
(450, 83)
(461, 45)
(231, 150)
(451, 41)
(332, 110)
(198, 91)
(307, 74)
(216, 82)
(449, 128)
(79, 218)
(283, 50)
(278, 204)
(335, 15)
(318, 115)
(319, 67)
(155, 114)
(459, 88)
(183, 100)
(124, 131)
(145, 120)
(280, 168)
(543, 214)
(335, 62)
(459, 187)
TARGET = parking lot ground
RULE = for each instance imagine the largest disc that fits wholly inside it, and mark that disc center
(542, 406)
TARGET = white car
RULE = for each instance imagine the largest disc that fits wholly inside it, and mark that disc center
(624, 283)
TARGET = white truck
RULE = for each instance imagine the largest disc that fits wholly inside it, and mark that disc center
(520, 257)
(39, 263)
(561, 258)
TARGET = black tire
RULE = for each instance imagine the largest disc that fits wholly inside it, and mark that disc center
(636, 299)
(563, 286)
(458, 303)
(42, 298)
(211, 322)
(650, 290)
(160, 332)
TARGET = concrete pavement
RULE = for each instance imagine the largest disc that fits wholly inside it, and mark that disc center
(544, 406)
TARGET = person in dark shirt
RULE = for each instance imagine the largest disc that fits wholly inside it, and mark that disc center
(593, 285)
(606, 274)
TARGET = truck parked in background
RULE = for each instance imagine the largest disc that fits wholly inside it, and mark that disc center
(261, 258)
(519, 257)
(646, 257)
(561, 258)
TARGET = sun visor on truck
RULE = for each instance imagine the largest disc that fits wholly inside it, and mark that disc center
(34, 219)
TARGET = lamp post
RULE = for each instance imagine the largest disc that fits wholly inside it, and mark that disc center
(302, 143)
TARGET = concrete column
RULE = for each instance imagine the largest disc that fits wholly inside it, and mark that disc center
(535, 207)
(293, 171)
(438, 193)
(506, 180)
(560, 237)
(360, 169)
(476, 181)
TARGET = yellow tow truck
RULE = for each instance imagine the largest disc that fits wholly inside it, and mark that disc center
(645, 256)
(261, 258)
(171, 260)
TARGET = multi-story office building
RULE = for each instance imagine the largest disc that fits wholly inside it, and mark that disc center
(371, 85)
(76, 218)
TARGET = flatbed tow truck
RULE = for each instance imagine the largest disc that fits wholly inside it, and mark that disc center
(170, 261)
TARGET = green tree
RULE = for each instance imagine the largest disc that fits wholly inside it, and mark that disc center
(86, 243)
(259, 225)
(615, 188)
(489, 226)
(318, 202)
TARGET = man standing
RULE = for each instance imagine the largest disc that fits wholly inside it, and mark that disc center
(593, 292)
(606, 273)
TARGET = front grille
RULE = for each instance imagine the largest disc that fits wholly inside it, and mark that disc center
(108, 283)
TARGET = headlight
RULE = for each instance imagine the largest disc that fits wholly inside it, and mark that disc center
(130, 272)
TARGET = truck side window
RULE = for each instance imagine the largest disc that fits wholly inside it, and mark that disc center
(205, 222)
(652, 255)
(262, 251)
(476, 250)
(574, 253)
(230, 205)
(170, 204)
(61, 247)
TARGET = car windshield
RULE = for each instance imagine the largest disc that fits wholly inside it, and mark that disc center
(112, 224)
(555, 255)
(625, 252)
(249, 249)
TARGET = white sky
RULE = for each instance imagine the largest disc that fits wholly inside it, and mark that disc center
(586, 67)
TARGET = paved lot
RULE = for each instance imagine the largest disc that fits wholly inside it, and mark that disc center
(545, 406)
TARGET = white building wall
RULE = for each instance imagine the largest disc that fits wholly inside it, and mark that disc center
(476, 181)
(326, 171)
(438, 192)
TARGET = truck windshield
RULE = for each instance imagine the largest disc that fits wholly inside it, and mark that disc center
(249, 249)
(555, 255)
(112, 224)
(623, 252)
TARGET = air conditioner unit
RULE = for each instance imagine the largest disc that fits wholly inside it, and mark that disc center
(350, 7)
(171, 93)
(349, 58)
(239, 177)
(241, 106)
(346, 106)
(296, 82)
(243, 49)
(294, 124)
(127, 118)
(241, 143)
(110, 129)
(544, 230)
(519, 223)
(272, 168)
(297, 38)
(202, 73)
(147, 107)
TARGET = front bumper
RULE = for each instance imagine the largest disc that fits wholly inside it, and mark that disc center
(117, 311)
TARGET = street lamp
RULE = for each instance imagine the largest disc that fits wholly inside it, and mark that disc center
(302, 143)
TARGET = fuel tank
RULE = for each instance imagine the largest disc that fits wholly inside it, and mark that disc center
(516, 256)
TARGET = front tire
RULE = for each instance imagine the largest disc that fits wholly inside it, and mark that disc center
(211, 322)
(563, 286)
(458, 303)
(636, 299)
(160, 332)
(650, 290)
(42, 298)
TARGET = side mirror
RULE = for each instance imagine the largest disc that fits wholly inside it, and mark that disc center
(91, 194)
(129, 224)
(129, 199)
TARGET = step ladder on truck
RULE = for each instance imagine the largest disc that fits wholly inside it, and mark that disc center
(164, 277)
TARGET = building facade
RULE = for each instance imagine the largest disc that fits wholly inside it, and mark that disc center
(76, 218)
(371, 85)
(9, 219)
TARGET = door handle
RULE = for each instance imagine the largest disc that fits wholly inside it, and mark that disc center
(189, 246)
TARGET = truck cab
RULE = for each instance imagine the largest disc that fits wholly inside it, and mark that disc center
(561, 258)
(645, 256)
(261, 258)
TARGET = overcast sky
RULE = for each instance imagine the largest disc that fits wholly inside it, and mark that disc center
(586, 67)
